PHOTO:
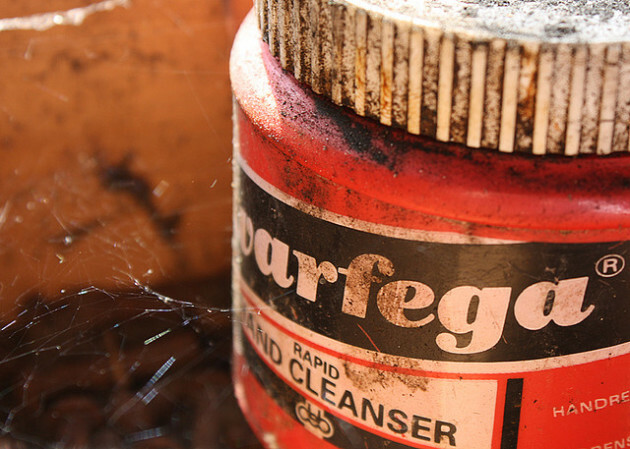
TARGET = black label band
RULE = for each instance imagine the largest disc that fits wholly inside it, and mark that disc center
(430, 300)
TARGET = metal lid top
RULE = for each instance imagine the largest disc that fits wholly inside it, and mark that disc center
(572, 21)
(532, 76)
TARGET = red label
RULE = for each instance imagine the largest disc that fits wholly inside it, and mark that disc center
(371, 335)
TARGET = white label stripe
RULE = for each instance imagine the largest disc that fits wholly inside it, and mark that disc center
(320, 404)
(418, 399)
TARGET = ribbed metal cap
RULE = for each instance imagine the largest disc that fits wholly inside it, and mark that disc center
(532, 76)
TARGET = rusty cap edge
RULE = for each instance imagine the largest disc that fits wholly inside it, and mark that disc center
(509, 95)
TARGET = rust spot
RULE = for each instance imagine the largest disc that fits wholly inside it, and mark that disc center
(364, 378)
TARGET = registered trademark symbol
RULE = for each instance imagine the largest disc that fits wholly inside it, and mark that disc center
(610, 265)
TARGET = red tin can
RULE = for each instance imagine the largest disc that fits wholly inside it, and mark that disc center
(455, 275)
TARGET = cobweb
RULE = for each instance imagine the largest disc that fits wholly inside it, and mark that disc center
(128, 364)
(136, 368)
(114, 225)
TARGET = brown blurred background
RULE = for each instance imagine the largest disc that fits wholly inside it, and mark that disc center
(115, 171)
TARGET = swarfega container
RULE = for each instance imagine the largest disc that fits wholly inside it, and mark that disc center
(453, 276)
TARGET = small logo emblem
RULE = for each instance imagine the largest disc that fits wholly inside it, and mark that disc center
(314, 419)
(610, 265)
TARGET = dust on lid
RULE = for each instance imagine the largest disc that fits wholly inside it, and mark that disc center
(529, 76)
